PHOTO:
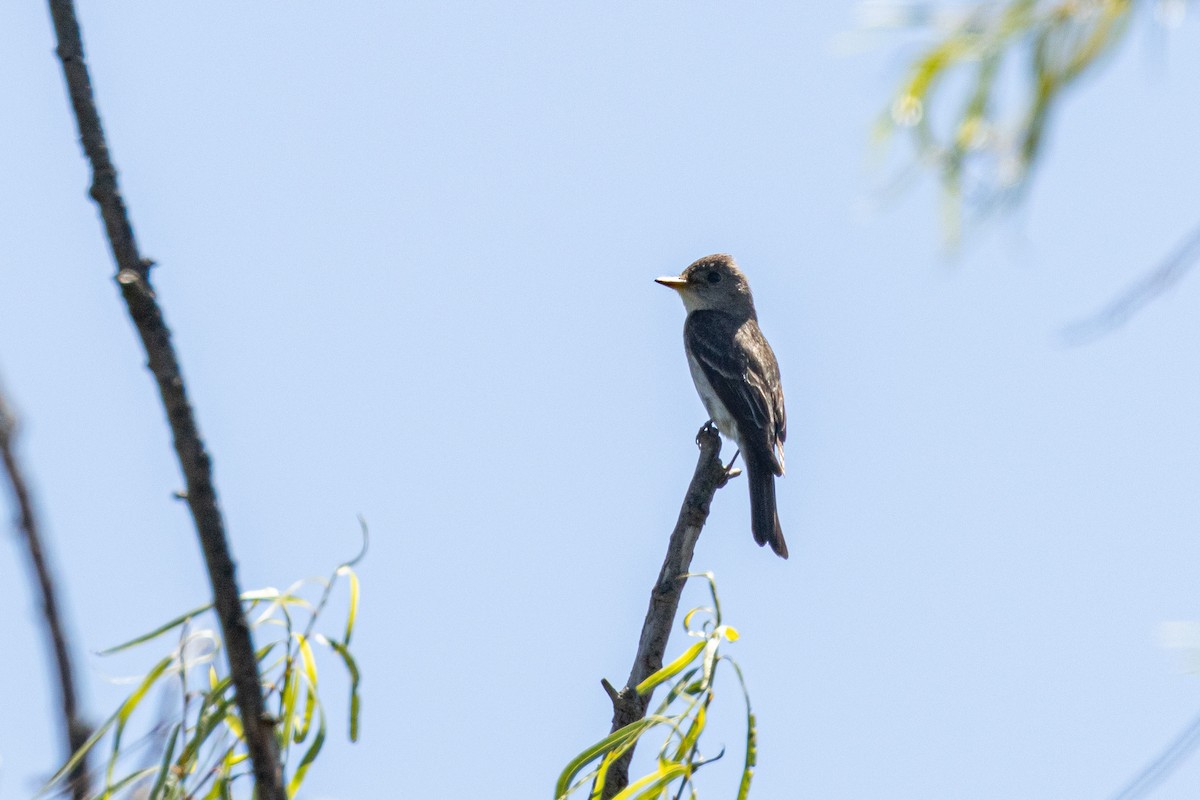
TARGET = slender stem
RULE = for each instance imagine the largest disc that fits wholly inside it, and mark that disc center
(75, 730)
(628, 705)
(133, 277)
(1165, 275)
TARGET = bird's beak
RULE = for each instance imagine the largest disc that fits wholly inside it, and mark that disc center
(672, 283)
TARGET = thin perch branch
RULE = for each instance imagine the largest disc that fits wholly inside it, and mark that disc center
(628, 705)
(1153, 284)
(75, 730)
(133, 277)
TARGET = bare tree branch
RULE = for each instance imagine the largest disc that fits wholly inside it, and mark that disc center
(628, 705)
(75, 730)
(1153, 284)
(1172, 756)
(133, 277)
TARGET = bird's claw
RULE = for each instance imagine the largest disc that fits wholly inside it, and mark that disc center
(730, 472)
(705, 429)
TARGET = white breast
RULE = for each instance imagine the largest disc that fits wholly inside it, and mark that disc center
(716, 409)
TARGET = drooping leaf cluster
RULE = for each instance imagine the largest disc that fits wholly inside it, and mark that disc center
(197, 749)
(682, 716)
(976, 102)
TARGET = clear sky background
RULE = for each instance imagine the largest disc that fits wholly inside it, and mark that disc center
(407, 251)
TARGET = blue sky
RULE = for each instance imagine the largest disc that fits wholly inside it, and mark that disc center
(407, 253)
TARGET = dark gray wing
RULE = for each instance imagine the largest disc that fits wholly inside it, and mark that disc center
(743, 372)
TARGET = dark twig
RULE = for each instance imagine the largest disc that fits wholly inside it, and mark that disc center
(1164, 764)
(1154, 283)
(133, 277)
(75, 729)
(628, 705)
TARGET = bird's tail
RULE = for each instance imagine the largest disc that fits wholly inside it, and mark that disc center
(764, 518)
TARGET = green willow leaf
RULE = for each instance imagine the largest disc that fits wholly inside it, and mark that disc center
(352, 614)
(78, 755)
(127, 709)
(352, 668)
(651, 786)
(164, 769)
(128, 780)
(310, 755)
(159, 631)
(614, 740)
(671, 670)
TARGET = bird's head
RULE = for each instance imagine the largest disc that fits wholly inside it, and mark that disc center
(714, 282)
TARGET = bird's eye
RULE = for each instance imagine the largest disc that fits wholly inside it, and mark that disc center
(714, 277)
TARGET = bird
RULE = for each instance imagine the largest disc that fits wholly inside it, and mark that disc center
(737, 377)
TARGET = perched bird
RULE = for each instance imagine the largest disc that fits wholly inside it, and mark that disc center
(737, 377)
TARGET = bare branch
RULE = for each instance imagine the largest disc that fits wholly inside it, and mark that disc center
(628, 705)
(75, 730)
(1164, 764)
(133, 277)
(1153, 284)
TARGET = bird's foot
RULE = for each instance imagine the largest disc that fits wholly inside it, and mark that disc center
(730, 470)
(705, 429)
(730, 473)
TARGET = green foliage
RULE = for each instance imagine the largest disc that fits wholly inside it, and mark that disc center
(682, 716)
(1049, 44)
(203, 752)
